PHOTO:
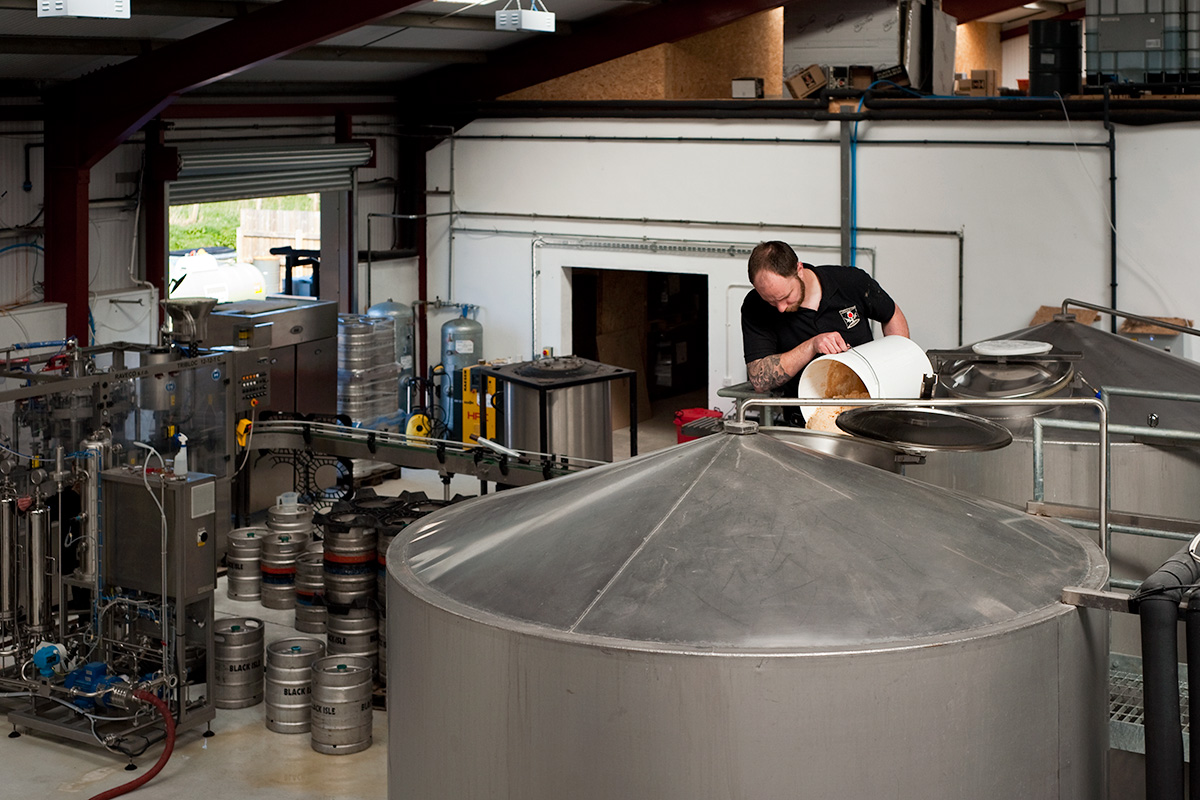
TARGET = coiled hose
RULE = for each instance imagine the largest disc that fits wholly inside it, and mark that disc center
(169, 721)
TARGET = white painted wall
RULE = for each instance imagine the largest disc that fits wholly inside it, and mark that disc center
(1014, 60)
(1033, 219)
(114, 270)
(125, 315)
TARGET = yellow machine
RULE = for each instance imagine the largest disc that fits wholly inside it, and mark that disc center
(469, 387)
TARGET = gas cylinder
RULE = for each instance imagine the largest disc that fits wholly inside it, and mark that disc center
(462, 346)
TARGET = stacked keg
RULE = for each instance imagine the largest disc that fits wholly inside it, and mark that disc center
(289, 515)
(357, 531)
(367, 367)
(390, 525)
(244, 550)
(291, 528)
(310, 589)
(351, 626)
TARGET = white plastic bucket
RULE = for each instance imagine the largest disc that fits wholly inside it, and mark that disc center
(890, 368)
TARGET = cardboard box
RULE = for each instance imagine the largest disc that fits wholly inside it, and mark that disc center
(748, 88)
(897, 75)
(983, 82)
(807, 81)
(852, 77)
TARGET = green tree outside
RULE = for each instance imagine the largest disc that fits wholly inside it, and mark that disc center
(198, 225)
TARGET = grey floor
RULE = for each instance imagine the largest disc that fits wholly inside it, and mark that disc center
(244, 759)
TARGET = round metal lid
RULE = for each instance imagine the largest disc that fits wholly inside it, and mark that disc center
(925, 429)
(741, 543)
(1011, 347)
(1010, 379)
(556, 367)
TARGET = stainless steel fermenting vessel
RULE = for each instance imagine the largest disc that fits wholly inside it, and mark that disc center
(740, 617)
(1151, 473)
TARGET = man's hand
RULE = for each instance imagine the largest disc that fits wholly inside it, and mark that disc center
(828, 344)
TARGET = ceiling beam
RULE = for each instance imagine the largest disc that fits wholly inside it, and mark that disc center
(593, 42)
(214, 9)
(111, 103)
(91, 46)
(971, 10)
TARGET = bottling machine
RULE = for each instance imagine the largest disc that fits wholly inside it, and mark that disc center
(114, 478)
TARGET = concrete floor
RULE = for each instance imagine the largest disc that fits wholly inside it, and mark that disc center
(244, 759)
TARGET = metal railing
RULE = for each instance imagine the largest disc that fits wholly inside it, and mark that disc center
(1101, 426)
(1141, 431)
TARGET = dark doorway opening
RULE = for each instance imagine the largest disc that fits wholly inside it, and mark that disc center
(653, 322)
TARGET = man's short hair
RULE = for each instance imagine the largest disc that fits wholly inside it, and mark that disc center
(777, 257)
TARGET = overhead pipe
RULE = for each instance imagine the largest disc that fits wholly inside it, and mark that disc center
(756, 225)
(1112, 205)
(1114, 312)
(876, 105)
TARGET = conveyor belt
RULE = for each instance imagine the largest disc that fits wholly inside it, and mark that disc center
(445, 457)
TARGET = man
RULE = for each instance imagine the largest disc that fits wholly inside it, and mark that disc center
(798, 312)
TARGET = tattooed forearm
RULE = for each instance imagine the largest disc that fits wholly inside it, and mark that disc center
(767, 373)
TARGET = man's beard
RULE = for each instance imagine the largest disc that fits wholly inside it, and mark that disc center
(796, 305)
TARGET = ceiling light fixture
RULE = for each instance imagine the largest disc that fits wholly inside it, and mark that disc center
(103, 9)
(1047, 5)
(536, 18)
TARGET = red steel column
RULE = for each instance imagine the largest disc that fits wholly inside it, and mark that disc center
(66, 212)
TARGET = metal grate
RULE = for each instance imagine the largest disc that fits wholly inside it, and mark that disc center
(1126, 714)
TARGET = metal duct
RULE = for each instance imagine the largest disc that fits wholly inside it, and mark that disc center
(211, 175)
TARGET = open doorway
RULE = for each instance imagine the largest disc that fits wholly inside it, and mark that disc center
(224, 249)
(655, 323)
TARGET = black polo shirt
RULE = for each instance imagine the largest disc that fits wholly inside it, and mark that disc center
(849, 297)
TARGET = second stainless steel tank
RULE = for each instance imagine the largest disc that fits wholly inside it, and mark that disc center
(1149, 475)
(559, 405)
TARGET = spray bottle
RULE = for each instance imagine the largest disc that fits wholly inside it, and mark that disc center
(181, 465)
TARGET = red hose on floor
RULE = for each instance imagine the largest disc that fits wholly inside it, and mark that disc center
(162, 760)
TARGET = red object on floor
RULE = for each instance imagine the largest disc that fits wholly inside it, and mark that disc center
(685, 415)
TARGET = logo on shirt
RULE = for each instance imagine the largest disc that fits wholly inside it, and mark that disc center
(850, 316)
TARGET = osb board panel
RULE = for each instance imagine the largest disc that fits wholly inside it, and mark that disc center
(701, 67)
(977, 46)
(620, 301)
(626, 349)
(1084, 316)
(637, 76)
(1137, 326)
(704, 66)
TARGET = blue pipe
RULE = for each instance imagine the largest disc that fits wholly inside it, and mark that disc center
(34, 245)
